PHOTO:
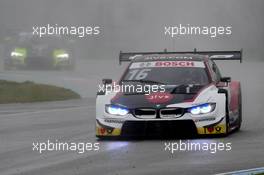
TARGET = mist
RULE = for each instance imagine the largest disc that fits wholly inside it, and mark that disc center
(81, 64)
(139, 25)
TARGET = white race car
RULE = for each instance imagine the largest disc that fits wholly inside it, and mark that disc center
(170, 94)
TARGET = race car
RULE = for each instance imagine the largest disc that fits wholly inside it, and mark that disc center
(29, 51)
(189, 98)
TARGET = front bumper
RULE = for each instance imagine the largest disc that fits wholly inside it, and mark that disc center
(170, 128)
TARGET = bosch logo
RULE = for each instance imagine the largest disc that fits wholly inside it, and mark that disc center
(174, 64)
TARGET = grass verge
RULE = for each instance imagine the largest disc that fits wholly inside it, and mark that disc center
(26, 92)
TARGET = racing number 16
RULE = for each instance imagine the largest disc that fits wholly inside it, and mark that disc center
(138, 74)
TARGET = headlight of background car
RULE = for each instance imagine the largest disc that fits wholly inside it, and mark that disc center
(16, 54)
(116, 110)
(202, 109)
(64, 55)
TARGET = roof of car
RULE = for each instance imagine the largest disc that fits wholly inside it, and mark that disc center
(170, 57)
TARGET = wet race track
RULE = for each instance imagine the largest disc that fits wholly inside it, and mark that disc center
(21, 125)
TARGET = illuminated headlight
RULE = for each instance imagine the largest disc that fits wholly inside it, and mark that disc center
(64, 55)
(116, 110)
(202, 109)
(16, 54)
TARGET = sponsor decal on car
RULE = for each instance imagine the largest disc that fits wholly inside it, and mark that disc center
(167, 64)
(103, 130)
(159, 97)
(114, 121)
(204, 119)
(218, 129)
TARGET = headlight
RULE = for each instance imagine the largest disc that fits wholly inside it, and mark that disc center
(116, 110)
(16, 54)
(202, 109)
(64, 55)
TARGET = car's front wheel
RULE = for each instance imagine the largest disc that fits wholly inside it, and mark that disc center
(239, 122)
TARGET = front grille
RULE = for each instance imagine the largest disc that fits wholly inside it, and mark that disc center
(39, 61)
(171, 112)
(145, 113)
(149, 113)
(176, 128)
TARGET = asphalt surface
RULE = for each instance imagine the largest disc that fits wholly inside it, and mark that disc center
(21, 125)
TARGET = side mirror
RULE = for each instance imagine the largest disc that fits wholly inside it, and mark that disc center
(102, 90)
(107, 81)
(222, 91)
(214, 67)
(225, 79)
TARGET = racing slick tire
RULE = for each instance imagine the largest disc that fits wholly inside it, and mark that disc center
(227, 132)
(239, 121)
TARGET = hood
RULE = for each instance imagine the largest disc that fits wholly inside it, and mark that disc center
(174, 95)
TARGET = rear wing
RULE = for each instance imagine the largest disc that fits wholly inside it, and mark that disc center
(213, 55)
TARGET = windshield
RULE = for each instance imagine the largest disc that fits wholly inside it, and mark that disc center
(35, 40)
(169, 75)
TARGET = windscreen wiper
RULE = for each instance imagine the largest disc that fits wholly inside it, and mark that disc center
(185, 89)
(143, 81)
